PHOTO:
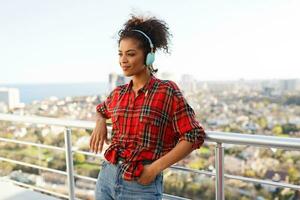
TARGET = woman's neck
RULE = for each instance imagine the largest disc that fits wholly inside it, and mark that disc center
(138, 81)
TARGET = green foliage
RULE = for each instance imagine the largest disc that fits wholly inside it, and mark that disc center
(294, 100)
(31, 138)
(6, 168)
(78, 158)
(57, 161)
(55, 140)
(234, 128)
(7, 135)
(204, 152)
(77, 133)
(236, 150)
(87, 169)
(198, 164)
(287, 128)
(249, 173)
(262, 121)
(294, 175)
(277, 130)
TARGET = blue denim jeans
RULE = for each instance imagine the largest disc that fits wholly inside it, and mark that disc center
(111, 185)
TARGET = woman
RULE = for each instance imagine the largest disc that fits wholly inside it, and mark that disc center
(153, 126)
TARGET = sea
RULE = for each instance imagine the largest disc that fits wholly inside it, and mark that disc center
(31, 92)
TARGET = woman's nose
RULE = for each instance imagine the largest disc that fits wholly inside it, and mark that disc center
(123, 59)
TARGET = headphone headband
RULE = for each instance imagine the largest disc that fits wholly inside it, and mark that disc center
(150, 56)
(148, 38)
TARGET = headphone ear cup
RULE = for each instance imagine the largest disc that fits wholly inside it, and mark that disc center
(150, 58)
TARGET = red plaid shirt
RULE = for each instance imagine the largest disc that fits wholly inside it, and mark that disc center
(148, 126)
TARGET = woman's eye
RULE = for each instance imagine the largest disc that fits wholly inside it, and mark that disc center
(130, 54)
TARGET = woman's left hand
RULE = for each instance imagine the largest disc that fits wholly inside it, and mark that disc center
(148, 175)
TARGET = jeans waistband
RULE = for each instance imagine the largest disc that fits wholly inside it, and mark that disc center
(121, 160)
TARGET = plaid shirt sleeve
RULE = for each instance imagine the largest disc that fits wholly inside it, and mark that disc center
(103, 107)
(184, 121)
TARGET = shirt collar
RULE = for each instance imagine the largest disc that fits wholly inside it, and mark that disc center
(146, 87)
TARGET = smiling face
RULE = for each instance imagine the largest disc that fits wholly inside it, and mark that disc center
(131, 57)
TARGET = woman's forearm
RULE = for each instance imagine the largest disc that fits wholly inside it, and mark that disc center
(181, 150)
(100, 117)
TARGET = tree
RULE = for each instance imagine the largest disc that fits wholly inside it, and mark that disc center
(277, 130)
(294, 175)
(79, 158)
(263, 123)
(287, 128)
(6, 168)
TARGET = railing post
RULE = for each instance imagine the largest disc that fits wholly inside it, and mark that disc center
(69, 161)
(219, 165)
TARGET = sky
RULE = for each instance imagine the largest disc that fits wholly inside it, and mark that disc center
(62, 41)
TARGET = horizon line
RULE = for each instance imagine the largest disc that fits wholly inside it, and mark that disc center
(88, 82)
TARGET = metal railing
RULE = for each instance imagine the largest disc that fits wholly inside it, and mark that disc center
(219, 138)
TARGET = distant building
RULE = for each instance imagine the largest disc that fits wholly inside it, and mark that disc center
(116, 80)
(166, 76)
(278, 87)
(188, 83)
(10, 96)
(268, 91)
(3, 107)
(277, 176)
(20, 132)
(288, 85)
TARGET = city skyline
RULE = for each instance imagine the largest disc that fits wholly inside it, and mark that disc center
(65, 41)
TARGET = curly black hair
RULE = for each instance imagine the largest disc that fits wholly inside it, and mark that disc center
(157, 30)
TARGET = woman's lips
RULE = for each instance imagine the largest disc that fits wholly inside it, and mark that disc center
(125, 68)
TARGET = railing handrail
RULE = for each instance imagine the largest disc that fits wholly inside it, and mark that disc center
(211, 136)
(175, 167)
(47, 121)
(289, 143)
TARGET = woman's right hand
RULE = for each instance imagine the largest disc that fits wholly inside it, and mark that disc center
(99, 136)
